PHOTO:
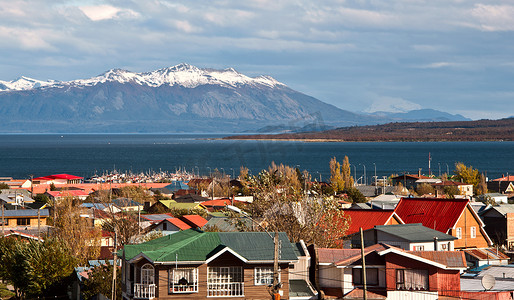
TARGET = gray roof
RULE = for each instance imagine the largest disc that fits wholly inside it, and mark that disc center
(504, 277)
(26, 213)
(125, 202)
(156, 217)
(299, 288)
(367, 190)
(298, 249)
(225, 225)
(504, 208)
(414, 232)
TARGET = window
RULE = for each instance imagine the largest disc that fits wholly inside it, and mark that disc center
(473, 232)
(264, 276)
(23, 221)
(225, 282)
(371, 276)
(184, 280)
(458, 233)
(412, 279)
(147, 274)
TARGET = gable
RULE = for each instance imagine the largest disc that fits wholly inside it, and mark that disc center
(438, 214)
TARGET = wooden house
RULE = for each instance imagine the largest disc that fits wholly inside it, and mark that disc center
(455, 217)
(192, 264)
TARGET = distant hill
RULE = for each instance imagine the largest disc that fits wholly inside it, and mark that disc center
(481, 130)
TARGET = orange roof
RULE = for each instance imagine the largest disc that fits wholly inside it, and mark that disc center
(194, 220)
(366, 218)
(505, 178)
(438, 214)
(72, 193)
(177, 222)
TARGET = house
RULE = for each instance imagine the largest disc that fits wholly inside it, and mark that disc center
(299, 283)
(408, 181)
(486, 256)
(503, 185)
(465, 189)
(58, 179)
(193, 264)
(127, 204)
(26, 221)
(169, 226)
(195, 221)
(493, 197)
(499, 224)
(471, 285)
(451, 216)
(413, 237)
(391, 273)
(15, 197)
(368, 218)
(59, 195)
(190, 198)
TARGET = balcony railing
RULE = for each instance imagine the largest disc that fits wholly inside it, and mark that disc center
(144, 291)
(228, 289)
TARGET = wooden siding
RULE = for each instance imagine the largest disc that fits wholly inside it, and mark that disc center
(13, 222)
(251, 291)
(395, 261)
(465, 222)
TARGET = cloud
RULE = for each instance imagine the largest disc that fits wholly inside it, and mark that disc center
(392, 104)
(107, 12)
(494, 17)
(438, 65)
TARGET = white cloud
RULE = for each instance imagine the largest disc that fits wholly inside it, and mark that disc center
(438, 65)
(107, 12)
(392, 104)
(494, 17)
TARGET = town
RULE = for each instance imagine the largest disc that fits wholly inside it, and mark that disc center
(279, 234)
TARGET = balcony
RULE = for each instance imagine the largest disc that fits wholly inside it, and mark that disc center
(225, 289)
(144, 291)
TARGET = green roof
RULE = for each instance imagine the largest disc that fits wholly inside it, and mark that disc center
(196, 245)
(414, 233)
(298, 249)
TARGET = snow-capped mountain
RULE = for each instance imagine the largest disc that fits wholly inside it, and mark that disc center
(24, 83)
(180, 75)
(182, 98)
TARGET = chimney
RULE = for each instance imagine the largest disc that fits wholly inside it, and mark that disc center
(435, 244)
(419, 172)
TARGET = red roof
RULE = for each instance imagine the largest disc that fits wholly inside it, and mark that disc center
(194, 220)
(179, 223)
(58, 176)
(438, 214)
(366, 218)
(217, 202)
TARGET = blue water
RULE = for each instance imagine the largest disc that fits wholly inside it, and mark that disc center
(85, 155)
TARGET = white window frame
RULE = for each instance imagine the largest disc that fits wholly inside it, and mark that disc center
(473, 232)
(264, 275)
(458, 233)
(190, 274)
(147, 274)
(225, 282)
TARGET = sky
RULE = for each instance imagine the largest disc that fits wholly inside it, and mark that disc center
(455, 56)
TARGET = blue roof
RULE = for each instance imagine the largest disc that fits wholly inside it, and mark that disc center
(177, 185)
(26, 213)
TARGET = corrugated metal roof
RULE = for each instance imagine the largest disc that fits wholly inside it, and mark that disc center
(415, 232)
(179, 223)
(156, 217)
(452, 259)
(439, 214)
(25, 213)
(193, 245)
(194, 220)
(366, 218)
(486, 253)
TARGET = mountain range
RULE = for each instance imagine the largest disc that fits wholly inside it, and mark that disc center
(182, 98)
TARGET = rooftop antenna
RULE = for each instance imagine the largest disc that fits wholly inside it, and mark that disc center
(429, 170)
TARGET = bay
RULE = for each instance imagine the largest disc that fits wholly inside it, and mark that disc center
(22, 155)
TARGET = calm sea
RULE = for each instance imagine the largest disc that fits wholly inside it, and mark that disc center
(87, 154)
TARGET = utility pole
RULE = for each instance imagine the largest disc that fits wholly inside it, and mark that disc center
(3, 220)
(275, 267)
(363, 266)
(39, 223)
(115, 264)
